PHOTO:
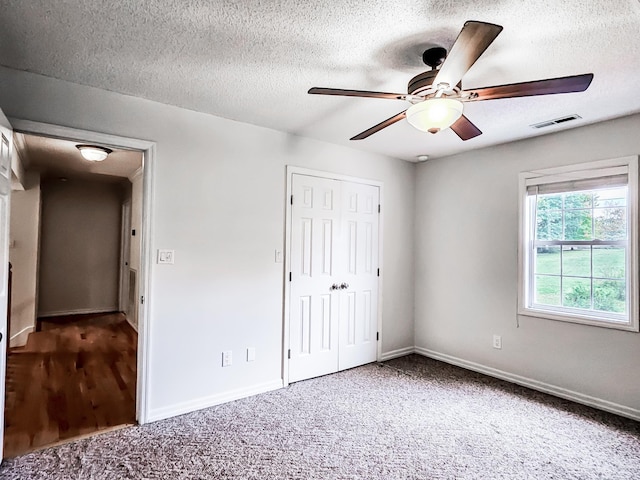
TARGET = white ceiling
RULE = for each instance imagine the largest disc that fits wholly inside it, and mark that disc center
(54, 157)
(254, 60)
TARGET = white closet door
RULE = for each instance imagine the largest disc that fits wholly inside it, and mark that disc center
(313, 323)
(334, 276)
(359, 272)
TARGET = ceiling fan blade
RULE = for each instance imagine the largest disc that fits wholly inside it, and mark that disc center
(380, 126)
(473, 40)
(575, 83)
(356, 93)
(465, 129)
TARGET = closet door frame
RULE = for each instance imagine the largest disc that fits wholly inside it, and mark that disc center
(290, 171)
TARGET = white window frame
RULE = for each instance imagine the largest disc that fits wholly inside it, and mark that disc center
(580, 171)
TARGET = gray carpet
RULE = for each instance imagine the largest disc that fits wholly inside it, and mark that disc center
(411, 418)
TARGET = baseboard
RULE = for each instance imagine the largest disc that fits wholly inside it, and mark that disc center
(78, 311)
(577, 397)
(401, 352)
(20, 338)
(212, 400)
(135, 327)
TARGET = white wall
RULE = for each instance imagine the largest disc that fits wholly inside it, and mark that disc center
(219, 201)
(466, 271)
(80, 247)
(24, 232)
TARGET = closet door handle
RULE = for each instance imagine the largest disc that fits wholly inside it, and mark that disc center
(344, 286)
(335, 286)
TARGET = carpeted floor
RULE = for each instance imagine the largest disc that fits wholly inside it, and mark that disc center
(411, 418)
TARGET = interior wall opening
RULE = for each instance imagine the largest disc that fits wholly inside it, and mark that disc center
(75, 254)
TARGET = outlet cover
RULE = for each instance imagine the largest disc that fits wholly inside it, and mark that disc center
(251, 354)
(497, 342)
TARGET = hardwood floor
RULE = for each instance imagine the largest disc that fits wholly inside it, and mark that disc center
(71, 379)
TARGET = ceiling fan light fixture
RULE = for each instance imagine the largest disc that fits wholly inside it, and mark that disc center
(434, 114)
(93, 153)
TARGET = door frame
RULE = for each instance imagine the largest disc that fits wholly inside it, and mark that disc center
(125, 256)
(290, 171)
(148, 150)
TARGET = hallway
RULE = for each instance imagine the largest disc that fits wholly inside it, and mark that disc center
(75, 376)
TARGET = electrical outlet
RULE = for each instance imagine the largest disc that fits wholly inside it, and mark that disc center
(227, 358)
(497, 342)
(251, 354)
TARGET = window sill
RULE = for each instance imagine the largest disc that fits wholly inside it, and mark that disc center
(580, 319)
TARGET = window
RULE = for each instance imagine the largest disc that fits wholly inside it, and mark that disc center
(578, 243)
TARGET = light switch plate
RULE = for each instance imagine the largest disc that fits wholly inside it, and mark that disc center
(166, 256)
(279, 256)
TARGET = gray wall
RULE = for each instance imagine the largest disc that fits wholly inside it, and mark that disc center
(219, 201)
(466, 272)
(80, 247)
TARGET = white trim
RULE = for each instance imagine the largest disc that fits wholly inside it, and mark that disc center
(592, 170)
(78, 311)
(585, 166)
(290, 171)
(19, 342)
(554, 390)
(400, 352)
(212, 400)
(143, 395)
(125, 255)
(144, 279)
(135, 327)
(136, 174)
(69, 133)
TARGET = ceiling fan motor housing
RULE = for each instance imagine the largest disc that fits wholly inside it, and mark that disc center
(422, 82)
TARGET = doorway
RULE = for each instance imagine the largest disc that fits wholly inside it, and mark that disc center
(64, 333)
(333, 264)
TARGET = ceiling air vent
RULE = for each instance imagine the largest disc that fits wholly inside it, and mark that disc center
(557, 121)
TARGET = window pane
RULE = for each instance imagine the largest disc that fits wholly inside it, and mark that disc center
(610, 197)
(576, 261)
(609, 262)
(610, 223)
(549, 202)
(576, 292)
(577, 225)
(548, 260)
(609, 295)
(547, 290)
(549, 225)
(578, 200)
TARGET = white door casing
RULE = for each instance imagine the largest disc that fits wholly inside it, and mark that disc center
(333, 297)
(6, 138)
(125, 257)
(144, 324)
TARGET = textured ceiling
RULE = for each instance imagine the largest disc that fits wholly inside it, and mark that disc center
(254, 60)
(53, 157)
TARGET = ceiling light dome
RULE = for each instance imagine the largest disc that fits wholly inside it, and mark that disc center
(93, 153)
(434, 114)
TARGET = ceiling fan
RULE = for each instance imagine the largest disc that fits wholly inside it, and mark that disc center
(437, 97)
